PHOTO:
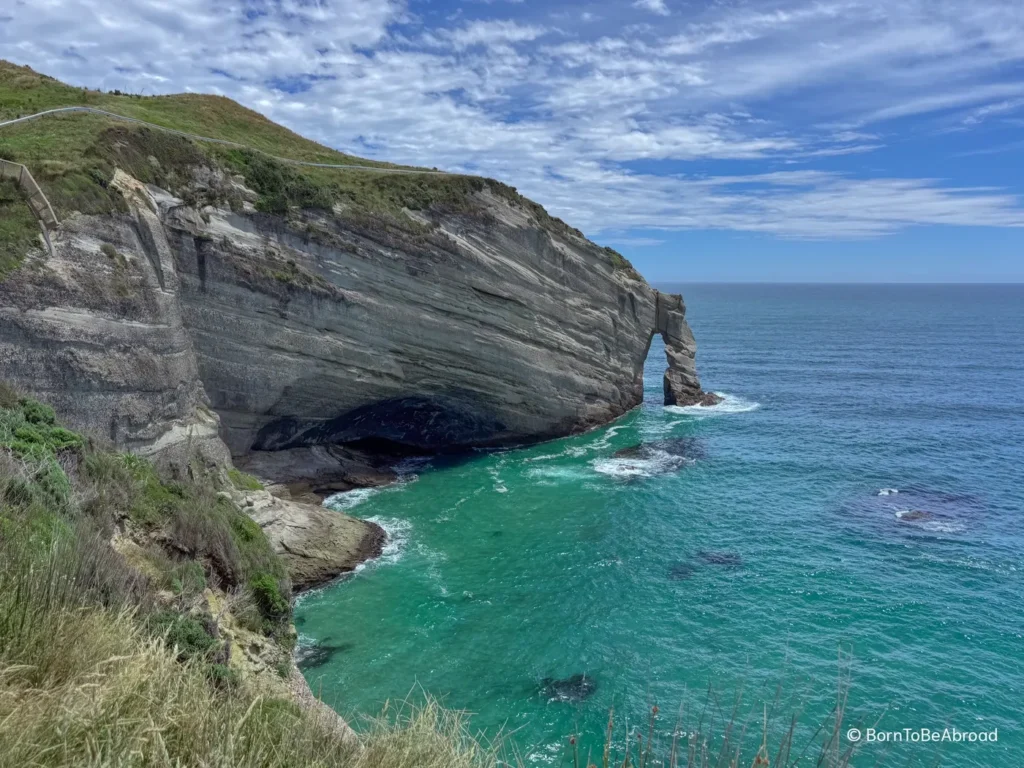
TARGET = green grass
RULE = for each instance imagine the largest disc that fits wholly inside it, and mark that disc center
(73, 157)
(19, 229)
(244, 481)
(25, 92)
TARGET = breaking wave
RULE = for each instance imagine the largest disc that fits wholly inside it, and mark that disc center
(346, 500)
(658, 463)
(397, 531)
(730, 404)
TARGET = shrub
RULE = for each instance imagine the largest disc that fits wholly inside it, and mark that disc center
(185, 635)
(188, 579)
(28, 429)
(37, 413)
(280, 187)
(223, 676)
(269, 599)
(243, 481)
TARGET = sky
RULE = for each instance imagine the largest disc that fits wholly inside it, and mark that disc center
(707, 140)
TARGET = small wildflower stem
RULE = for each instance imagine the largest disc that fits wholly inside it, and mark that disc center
(605, 762)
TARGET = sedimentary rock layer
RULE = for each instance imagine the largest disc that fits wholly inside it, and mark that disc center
(429, 331)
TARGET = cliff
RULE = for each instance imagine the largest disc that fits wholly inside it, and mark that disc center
(220, 301)
(443, 330)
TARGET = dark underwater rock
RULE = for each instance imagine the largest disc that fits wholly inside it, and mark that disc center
(914, 515)
(575, 688)
(727, 559)
(683, 447)
(318, 654)
(681, 571)
(921, 508)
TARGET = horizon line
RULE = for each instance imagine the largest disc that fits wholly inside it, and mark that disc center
(677, 281)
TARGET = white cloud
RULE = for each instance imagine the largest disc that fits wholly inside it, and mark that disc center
(654, 6)
(605, 122)
(490, 33)
(632, 242)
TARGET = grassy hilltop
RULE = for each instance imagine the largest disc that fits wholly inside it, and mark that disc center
(73, 157)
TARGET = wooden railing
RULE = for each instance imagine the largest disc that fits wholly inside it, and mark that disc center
(33, 194)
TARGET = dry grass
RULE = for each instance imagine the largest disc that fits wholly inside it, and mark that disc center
(709, 735)
(123, 699)
(84, 682)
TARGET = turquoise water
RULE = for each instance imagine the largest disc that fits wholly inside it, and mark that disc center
(752, 560)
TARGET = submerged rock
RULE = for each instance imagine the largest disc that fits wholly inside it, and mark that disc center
(575, 688)
(318, 654)
(914, 515)
(683, 447)
(727, 559)
(922, 509)
(681, 571)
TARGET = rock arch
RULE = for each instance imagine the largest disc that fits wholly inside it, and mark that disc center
(682, 385)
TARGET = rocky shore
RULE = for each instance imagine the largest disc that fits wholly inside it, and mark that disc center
(316, 544)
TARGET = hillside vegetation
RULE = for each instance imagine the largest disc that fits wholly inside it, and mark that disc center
(24, 92)
(73, 157)
(109, 651)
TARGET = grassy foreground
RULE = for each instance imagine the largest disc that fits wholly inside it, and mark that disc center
(109, 652)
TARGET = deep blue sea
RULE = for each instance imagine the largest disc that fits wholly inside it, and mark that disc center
(854, 509)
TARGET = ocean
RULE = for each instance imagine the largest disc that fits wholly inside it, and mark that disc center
(853, 510)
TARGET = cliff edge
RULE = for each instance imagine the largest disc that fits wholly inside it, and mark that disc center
(198, 297)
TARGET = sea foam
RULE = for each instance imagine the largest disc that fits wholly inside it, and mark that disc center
(346, 500)
(730, 404)
(397, 531)
(657, 463)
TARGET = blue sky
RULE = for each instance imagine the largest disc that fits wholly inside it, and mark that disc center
(797, 140)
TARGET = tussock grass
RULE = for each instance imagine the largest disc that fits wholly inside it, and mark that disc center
(99, 692)
(706, 734)
(83, 684)
(19, 230)
(93, 672)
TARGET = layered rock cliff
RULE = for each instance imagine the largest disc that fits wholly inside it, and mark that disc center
(447, 330)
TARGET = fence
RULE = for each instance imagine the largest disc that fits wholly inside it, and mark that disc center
(34, 195)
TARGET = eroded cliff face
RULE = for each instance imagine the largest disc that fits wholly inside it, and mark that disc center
(431, 331)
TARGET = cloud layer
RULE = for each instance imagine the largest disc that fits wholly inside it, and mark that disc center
(747, 116)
